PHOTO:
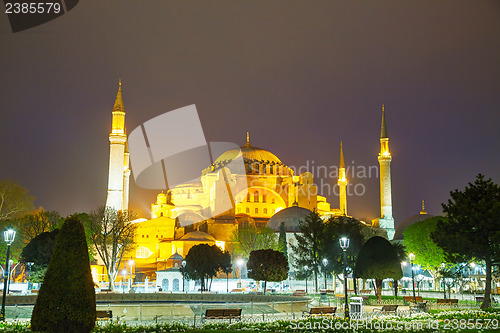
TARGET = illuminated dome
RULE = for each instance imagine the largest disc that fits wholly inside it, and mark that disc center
(197, 236)
(249, 154)
(291, 216)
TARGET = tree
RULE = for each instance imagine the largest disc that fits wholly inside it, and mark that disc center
(39, 251)
(203, 262)
(248, 238)
(267, 265)
(32, 225)
(310, 244)
(401, 253)
(378, 260)
(282, 243)
(112, 235)
(472, 230)
(417, 240)
(14, 200)
(336, 228)
(226, 266)
(66, 301)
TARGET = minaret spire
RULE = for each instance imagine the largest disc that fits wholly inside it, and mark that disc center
(119, 167)
(342, 184)
(342, 165)
(386, 220)
(383, 128)
(119, 99)
(248, 140)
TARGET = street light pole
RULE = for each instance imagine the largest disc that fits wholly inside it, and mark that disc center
(325, 263)
(8, 236)
(131, 263)
(412, 257)
(344, 245)
(183, 275)
(305, 270)
(240, 263)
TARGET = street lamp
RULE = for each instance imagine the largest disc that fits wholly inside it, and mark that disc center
(240, 263)
(412, 257)
(305, 270)
(325, 263)
(8, 236)
(30, 265)
(183, 263)
(124, 272)
(131, 263)
(344, 245)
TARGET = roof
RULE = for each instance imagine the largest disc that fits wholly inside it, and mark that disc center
(197, 236)
(249, 154)
(291, 216)
(176, 256)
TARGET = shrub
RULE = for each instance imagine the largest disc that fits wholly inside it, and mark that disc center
(66, 301)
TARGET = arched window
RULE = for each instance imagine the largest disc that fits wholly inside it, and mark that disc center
(248, 210)
(175, 285)
(256, 197)
(256, 211)
(265, 210)
(264, 197)
(273, 201)
(164, 284)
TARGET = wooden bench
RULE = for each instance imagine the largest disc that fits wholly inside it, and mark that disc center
(421, 307)
(409, 299)
(479, 299)
(222, 314)
(320, 311)
(386, 309)
(104, 315)
(448, 301)
(299, 293)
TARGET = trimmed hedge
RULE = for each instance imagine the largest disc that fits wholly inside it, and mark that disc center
(66, 301)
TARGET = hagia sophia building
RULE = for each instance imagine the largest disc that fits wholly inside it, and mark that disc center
(268, 194)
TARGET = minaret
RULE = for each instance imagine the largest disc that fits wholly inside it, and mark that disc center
(119, 172)
(342, 183)
(386, 220)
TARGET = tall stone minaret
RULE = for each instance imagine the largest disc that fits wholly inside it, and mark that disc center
(119, 171)
(386, 221)
(342, 183)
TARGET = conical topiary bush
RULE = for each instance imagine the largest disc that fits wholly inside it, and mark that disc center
(66, 301)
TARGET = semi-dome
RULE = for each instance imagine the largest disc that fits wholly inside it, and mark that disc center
(197, 236)
(291, 216)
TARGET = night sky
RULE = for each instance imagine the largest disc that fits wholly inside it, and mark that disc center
(299, 76)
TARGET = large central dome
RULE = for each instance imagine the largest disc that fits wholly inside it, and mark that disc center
(249, 154)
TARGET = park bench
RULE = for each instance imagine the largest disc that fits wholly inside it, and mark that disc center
(104, 315)
(479, 300)
(448, 301)
(319, 311)
(420, 307)
(409, 299)
(222, 314)
(387, 309)
(299, 293)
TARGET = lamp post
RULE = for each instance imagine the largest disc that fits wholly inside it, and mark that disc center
(183, 275)
(30, 265)
(8, 236)
(305, 270)
(325, 263)
(344, 245)
(124, 272)
(411, 256)
(240, 263)
(131, 263)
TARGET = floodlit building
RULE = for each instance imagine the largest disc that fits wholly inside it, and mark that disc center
(265, 192)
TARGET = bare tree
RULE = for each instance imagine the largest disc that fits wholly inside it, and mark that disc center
(14, 200)
(112, 236)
